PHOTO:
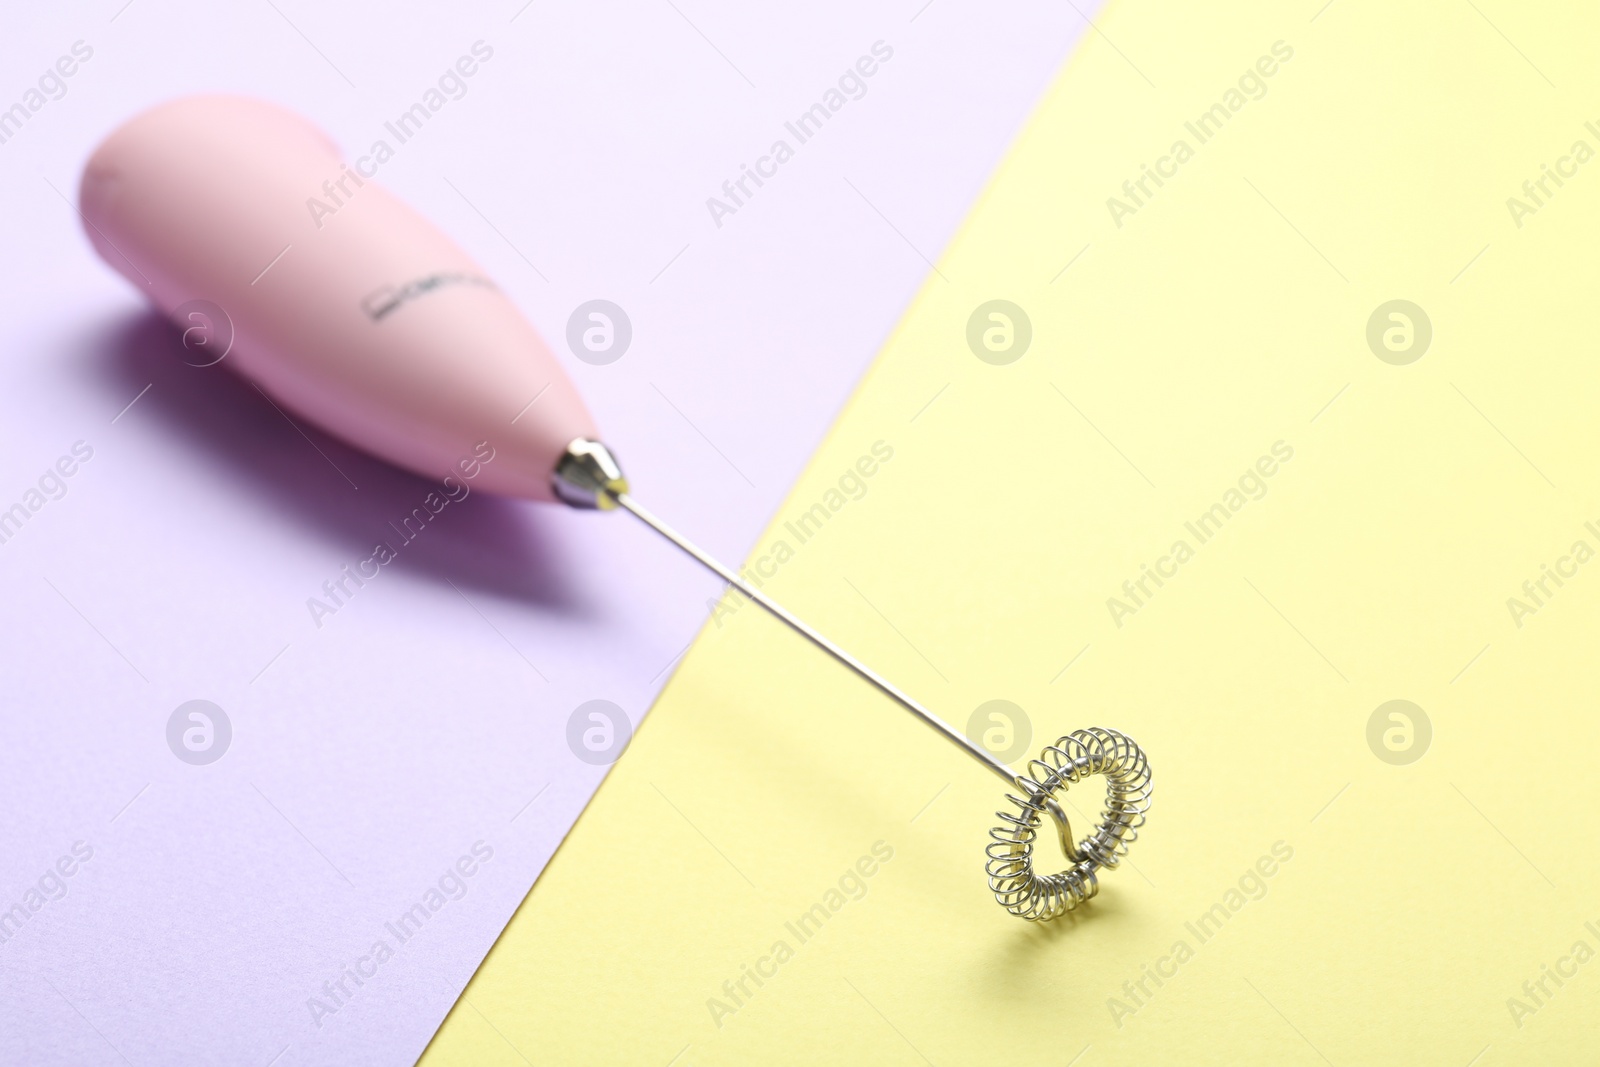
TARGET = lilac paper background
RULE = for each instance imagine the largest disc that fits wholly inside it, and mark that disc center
(430, 713)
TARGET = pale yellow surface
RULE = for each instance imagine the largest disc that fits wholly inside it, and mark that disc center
(1222, 317)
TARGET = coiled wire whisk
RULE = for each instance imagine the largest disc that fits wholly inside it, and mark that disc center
(1038, 898)
(588, 477)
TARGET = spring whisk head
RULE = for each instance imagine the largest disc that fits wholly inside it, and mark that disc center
(1016, 885)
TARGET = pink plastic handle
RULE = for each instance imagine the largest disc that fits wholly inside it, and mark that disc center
(367, 320)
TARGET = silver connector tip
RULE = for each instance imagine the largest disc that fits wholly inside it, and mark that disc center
(588, 476)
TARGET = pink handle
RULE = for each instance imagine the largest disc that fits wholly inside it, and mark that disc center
(346, 306)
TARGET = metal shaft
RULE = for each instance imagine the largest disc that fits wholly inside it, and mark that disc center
(627, 502)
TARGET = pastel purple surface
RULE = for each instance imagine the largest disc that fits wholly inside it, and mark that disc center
(375, 745)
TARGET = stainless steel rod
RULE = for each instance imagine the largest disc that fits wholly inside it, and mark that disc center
(883, 685)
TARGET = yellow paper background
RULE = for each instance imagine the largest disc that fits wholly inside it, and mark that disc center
(1225, 315)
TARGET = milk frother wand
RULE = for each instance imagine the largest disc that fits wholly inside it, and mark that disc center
(350, 309)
